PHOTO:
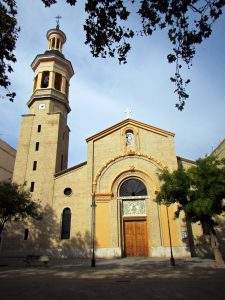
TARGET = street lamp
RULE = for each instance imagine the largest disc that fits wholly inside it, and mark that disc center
(172, 260)
(93, 206)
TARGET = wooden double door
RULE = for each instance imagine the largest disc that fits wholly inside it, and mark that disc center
(135, 237)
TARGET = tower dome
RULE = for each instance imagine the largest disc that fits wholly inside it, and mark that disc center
(56, 39)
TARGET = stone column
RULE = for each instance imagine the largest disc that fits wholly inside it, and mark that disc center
(51, 80)
(39, 80)
(63, 87)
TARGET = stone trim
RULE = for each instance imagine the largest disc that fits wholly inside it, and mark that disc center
(103, 197)
(115, 159)
(132, 122)
(186, 160)
(162, 251)
(52, 56)
(70, 169)
(158, 251)
(109, 252)
(28, 115)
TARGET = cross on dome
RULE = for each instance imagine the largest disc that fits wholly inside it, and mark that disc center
(57, 21)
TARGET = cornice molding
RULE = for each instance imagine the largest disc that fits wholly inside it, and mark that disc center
(103, 197)
(130, 122)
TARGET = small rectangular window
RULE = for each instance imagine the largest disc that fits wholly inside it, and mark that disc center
(26, 233)
(35, 165)
(39, 128)
(32, 186)
(37, 146)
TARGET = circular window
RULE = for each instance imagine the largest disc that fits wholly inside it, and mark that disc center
(67, 191)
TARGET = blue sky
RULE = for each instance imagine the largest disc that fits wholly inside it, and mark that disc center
(101, 90)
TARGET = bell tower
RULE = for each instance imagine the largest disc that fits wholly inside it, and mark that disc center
(44, 136)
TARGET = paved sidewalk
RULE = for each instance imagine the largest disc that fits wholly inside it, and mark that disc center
(128, 278)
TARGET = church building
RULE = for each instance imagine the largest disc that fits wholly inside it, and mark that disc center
(107, 202)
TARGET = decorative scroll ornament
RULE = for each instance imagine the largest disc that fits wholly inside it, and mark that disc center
(134, 208)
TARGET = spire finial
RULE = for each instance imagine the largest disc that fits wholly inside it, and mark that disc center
(57, 21)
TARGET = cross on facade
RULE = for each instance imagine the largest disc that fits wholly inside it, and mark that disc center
(57, 21)
(129, 113)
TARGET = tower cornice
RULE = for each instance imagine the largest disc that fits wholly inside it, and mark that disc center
(52, 56)
(41, 94)
(56, 31)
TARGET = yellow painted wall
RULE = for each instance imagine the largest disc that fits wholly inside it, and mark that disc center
(79, 202)
(103, 230)
(174, 226)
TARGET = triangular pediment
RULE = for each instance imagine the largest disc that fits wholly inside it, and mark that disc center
(130, 122)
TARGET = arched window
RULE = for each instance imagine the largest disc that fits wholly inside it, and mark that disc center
(53, 43)
(66, 223)
(57, 43)
(132, 187)
(58, 81)
(45, 79)
(129, 136)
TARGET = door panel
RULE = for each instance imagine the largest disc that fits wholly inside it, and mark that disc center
(135, 238)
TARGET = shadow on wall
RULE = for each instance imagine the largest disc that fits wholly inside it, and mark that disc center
(221, 234)
(43, 238)
(202, 243)
(203, 247)
(200, 246)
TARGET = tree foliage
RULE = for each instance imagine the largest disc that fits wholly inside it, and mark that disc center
(109, 31)
(198, 191)
(16, 204)
(8, 36)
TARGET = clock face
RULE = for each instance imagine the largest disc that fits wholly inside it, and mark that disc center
(41, 106)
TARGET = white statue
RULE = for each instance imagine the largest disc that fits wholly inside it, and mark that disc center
(129, 138)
